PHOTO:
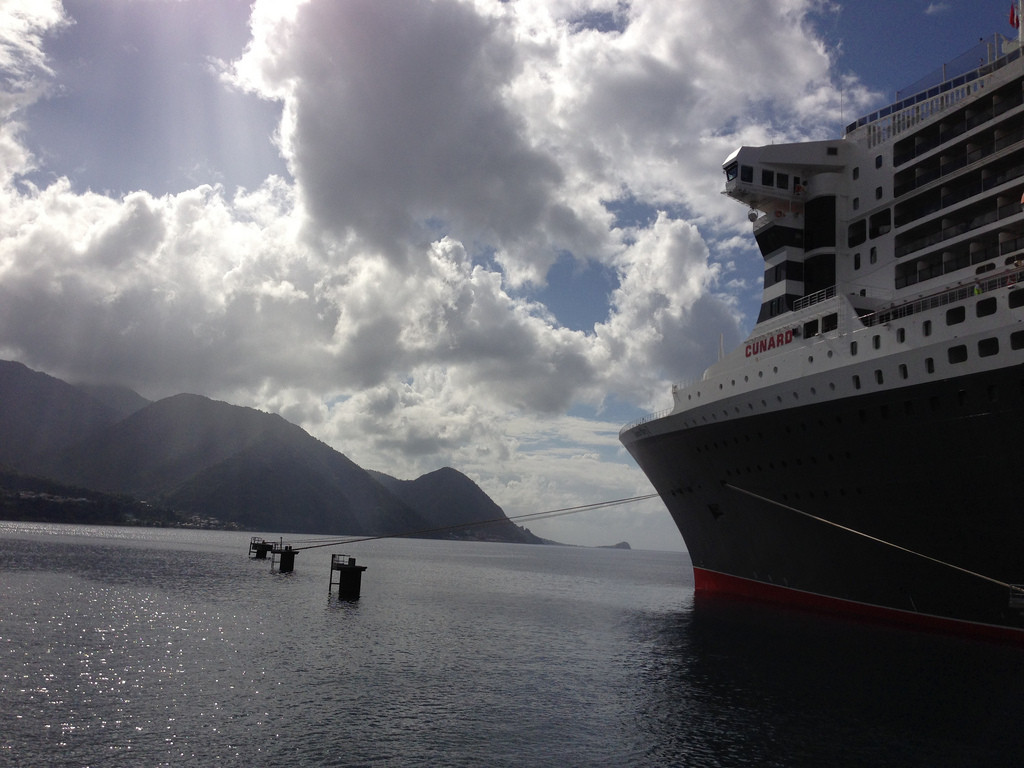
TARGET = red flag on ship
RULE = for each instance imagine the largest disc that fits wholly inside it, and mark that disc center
(1014, 19)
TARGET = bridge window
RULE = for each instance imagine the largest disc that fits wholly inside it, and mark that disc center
(767, 177)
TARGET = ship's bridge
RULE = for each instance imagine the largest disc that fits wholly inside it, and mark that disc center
(796, 186)
(773, 178)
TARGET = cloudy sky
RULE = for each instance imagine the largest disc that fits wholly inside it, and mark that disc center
(462, 233)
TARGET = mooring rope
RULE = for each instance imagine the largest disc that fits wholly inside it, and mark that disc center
(982, 576)
(494, 521)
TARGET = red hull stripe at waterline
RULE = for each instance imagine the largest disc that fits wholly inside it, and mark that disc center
(722, 583)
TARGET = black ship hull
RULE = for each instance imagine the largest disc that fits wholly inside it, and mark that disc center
(905, 503)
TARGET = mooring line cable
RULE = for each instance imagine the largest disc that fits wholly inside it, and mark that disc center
(494, 521)
(854, 531)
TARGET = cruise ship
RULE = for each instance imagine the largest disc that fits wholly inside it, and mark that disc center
(858, 453)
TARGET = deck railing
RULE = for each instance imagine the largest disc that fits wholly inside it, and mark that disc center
(951, 296)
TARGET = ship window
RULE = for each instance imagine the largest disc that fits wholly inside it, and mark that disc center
(903, 370)
(856, 203)
(857, 233)
(820, 222)
(955, 315)
(876, 341)
(856, 382)
(747, 173)
(767, 177)
(878, 161)
(811, 328)
(830, 322)
(856, 261)
(878, 377)
(878, 193)
(856, 173)
(731, 171)
(1017, 298)
(770, 239)
(929, 364)
(988, 347)
(958, 354)
(782, 180)
(1017, 340)
(901, 335)
(881, 223)
(874, 255)
(832, 150)
(986, 307)
(926, 327)
(853, 348)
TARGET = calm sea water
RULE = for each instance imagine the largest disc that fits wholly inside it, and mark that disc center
(122, 646)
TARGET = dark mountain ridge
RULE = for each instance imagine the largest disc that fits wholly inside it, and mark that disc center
(212, 459)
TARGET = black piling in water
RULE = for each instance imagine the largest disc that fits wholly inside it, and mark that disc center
(283, 556)
(258, 548)
(350, 576)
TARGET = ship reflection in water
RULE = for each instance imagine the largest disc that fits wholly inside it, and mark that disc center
(739, 682)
